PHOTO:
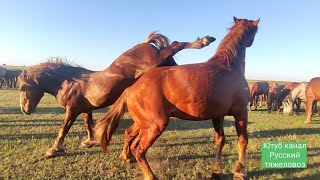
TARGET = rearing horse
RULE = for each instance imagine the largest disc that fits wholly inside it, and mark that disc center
(209, 90)
(79, 90)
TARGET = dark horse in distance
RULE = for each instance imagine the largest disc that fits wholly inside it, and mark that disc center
(209, 90)
(79, 90)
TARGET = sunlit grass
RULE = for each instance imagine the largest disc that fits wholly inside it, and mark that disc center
(184, 151)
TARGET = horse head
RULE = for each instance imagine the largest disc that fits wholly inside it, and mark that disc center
(253, 28)
(287, 105)
(30, 92)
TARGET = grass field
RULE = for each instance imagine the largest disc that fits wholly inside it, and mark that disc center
(184, 151)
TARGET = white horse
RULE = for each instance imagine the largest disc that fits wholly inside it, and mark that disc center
(298, 95)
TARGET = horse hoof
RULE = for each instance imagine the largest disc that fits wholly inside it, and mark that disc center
(53, 152)
(238, 177)
(239, 171)
(307, 122)
(216, 176)
(89, 144)
(125, 158)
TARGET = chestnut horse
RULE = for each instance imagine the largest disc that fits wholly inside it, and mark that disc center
(79, 90)
(259, 89)
(312, 94)
(274, 96)
(209, 90)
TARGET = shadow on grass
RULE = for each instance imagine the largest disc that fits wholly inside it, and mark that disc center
(10, 110)
(14, 137)
(284, 132)
(42, 110)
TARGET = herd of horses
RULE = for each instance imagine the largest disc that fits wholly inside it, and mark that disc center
(290, 96)
(147, 82)
(9, 77)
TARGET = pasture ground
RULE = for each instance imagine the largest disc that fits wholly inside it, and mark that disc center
(184, 151)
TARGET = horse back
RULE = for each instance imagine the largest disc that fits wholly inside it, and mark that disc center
(198, 90)
(313, 88)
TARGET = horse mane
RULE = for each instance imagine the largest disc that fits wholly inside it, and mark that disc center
(227, 49)
(159, 40)
(54, 68)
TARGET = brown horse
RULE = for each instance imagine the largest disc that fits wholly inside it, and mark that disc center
(312, 94)
(259, 89)
(209, 90)
(79, 90)
(274, 96)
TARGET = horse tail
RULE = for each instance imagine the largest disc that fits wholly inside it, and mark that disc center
(107, 125)
(158, 39)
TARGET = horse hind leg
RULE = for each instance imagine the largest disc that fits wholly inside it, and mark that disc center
(241, 127)
(309, 110)
(145, 139)
(219, 142)
(130, 134)
(88, 121)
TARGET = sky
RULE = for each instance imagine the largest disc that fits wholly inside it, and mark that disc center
(94, 33)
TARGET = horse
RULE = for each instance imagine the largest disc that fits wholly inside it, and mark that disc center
(9, 77)
(209, 90)
(312, 94)
(259, 88)
(274, 96)
(2, 74)
(285, 92)
(79, 90)
(295, 97)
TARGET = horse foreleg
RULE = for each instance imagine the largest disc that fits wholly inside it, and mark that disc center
(176, 46)
(219, 141)
(88, 121)
(130, 134)
(57, 147)
(241, 127)
(261, 99)
(6, 80)
(297, 103)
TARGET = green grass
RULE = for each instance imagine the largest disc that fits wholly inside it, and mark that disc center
(184, 151)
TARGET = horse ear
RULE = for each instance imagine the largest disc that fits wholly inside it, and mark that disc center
(256, 22)
(235, 19)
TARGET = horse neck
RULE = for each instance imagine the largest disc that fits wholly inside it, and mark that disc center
(302, 94)
(50, 85)
(231, 52)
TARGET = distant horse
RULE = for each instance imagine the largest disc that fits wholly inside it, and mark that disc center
(209, 90)
(312, 94)
(297, 95)
(9, 77)
(286, 90)
(274, 96)
(259, 88)
(79, 90)
(2, 74)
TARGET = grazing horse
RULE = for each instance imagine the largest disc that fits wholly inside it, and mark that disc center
(259, 88)
(209, 90)
(312, 94)
(295, 97)
(79, 90)
(273, 97)
(286, 90)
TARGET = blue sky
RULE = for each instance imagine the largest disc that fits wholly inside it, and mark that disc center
(94, 33)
